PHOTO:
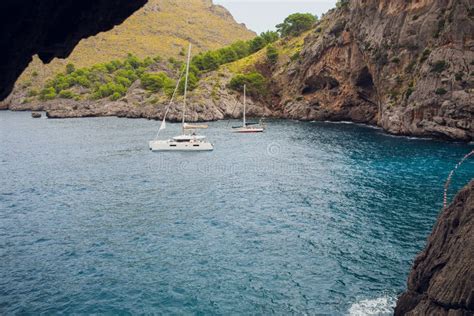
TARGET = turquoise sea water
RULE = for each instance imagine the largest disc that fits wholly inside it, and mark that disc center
(307, 218)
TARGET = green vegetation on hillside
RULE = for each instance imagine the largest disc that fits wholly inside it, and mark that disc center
(114, 78)
(104, 80)
(342, 4)
(296, 23)
(255, 83)
(211, 60)
(161, 27)
(272, 54)
(156, 82)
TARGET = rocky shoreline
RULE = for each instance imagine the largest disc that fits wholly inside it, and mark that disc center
(74, 109)
(405, 66)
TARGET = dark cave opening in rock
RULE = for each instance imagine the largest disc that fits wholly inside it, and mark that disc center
(319, 82)
(364, 79)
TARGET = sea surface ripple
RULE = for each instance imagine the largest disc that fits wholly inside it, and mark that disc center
(307, 218)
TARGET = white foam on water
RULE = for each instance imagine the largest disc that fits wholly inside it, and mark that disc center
(380, 306)
(352, 123)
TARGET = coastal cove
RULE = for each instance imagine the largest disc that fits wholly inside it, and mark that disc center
(309, 217)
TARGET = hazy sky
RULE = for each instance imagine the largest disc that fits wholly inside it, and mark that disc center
(263, 15)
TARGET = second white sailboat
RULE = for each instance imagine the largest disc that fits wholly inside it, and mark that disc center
(246, 127)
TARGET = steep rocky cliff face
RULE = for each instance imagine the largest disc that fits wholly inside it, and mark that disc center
(407, 66)
(441, 281)
(51, 29)
(404, 65)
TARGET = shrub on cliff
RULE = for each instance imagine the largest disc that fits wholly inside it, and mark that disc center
(175, 63)
(122, 81)
(409, 92)
(458, 76)
(32, 93)
(155, 82)
(82, 80)
(241, 48)
(60, 82)
(70, 68)
(261, 41)
(227, 55)
(127, 73)
(272, 54)
(48, 93)
(441, 91)
(337, 28)
(208, 61)
(254, 81)
(270, 36)
(257, 44)
(296, 23)
(342, 4)
(115, 96)
(192, 83)
(439, 66)
(133, 61)
(211, 60)
(295, 56)
(424, 56)
(66, 94)
(109, 89)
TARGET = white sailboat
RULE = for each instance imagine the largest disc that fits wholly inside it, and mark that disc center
(188, 140)
(246, 127)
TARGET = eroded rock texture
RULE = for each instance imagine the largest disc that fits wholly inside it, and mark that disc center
(51, 29)
(406, 66)
(441, 281)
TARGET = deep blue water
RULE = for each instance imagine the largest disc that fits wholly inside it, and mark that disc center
(306, 218)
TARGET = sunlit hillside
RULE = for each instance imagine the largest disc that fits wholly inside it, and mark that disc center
(161, 27)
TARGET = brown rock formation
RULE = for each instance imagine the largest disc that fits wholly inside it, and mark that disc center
(441, 281)
(210, 101)
(51, 29)
(404, 65)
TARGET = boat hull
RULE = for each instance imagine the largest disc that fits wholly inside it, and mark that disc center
(248, 130)
(164, 145)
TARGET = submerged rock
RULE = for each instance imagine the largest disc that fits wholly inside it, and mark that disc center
(35, 115)
(441, 281)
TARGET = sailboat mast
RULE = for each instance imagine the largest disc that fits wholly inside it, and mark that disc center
(186, 84)
(245, 103)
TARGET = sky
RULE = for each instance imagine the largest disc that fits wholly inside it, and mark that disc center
(263, 15)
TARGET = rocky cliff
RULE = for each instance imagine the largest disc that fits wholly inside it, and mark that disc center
(441, 281)
(404, 65)
(407, 66)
